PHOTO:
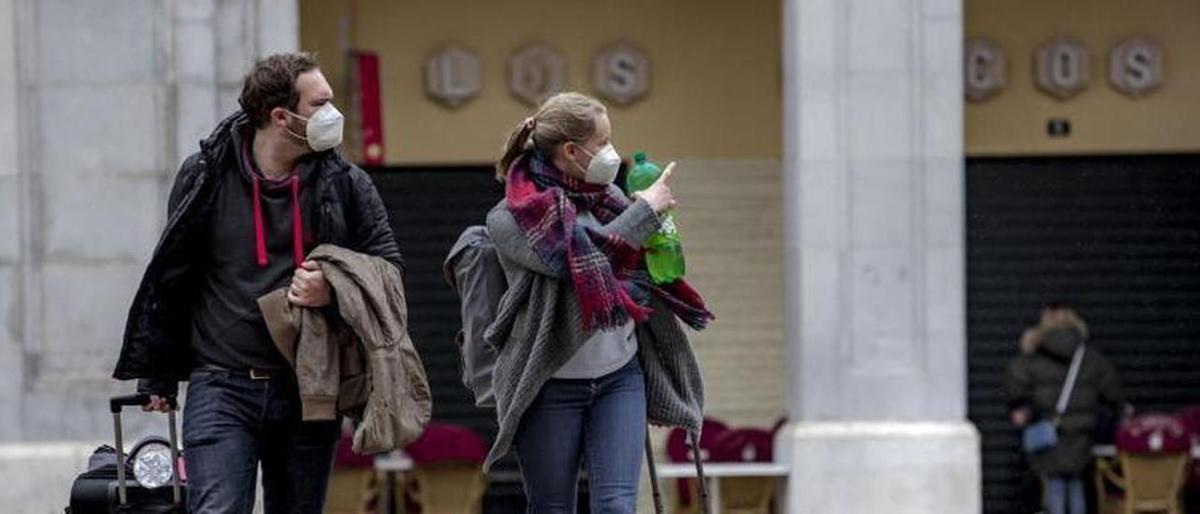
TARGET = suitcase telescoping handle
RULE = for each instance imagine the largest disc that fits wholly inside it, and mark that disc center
(116, 405)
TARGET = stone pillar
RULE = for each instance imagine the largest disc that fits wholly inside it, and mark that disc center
(98, 115)
(11, 359)
(874, 257)
(110, 96)
(100, 101)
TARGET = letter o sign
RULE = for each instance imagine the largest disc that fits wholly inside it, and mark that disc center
(1063, 67)
(536, 72)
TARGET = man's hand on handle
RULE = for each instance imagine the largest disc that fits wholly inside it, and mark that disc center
(157, 404)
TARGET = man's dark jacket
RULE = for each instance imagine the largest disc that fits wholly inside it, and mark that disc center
(157, 346)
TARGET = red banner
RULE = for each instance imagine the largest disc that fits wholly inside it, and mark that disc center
(370, 109)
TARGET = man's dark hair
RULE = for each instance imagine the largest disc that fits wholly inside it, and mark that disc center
(272, 83)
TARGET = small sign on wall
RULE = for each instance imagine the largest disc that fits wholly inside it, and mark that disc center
(535, 72)
(621, 73)
(1058, 127)
(453, 76)
(986, 69)
(1063, 67)
(1136, 66)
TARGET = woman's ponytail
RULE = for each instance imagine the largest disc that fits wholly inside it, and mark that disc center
(518, 142)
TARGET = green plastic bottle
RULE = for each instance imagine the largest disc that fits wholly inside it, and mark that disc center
(664, 252)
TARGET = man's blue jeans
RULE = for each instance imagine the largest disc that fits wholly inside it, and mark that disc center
(231, 424)
(601, 422)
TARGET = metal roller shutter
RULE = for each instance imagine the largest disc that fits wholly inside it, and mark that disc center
(1116, 237)
(429, 207)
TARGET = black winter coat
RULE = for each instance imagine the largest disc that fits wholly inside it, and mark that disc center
(157, 345)
(1035, 381)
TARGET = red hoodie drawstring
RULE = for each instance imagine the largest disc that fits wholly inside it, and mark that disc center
(260, 236)
(260, 239)
(297, 223)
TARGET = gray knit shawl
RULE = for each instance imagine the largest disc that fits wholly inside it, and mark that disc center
(538, 329)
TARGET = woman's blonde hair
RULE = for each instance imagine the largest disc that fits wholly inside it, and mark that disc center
(561, 118)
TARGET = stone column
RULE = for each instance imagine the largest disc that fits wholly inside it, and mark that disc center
(100, 101)
(874, 240)
(11, 249)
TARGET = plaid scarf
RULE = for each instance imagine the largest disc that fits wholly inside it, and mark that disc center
(608, 273)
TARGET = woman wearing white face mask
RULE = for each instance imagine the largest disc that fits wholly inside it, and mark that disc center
(589, 348)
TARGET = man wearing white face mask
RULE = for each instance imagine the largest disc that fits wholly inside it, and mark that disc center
(264, 189)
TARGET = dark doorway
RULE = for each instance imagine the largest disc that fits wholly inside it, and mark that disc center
(1116, 237)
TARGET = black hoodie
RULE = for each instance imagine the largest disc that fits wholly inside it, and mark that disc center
(255, 236)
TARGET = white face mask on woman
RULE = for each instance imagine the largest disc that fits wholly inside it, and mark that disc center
(603, 169)
(324, 128)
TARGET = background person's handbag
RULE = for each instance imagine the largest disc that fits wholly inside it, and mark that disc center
(1043, 436)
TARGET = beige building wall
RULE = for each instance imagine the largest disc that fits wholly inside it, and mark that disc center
(1103, 121)
(715, 86)
(714, 106)
(730, 218)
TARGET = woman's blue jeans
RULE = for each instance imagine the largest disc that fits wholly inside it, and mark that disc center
(600, 423)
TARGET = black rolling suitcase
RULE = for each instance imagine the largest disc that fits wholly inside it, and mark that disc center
(113, 482)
